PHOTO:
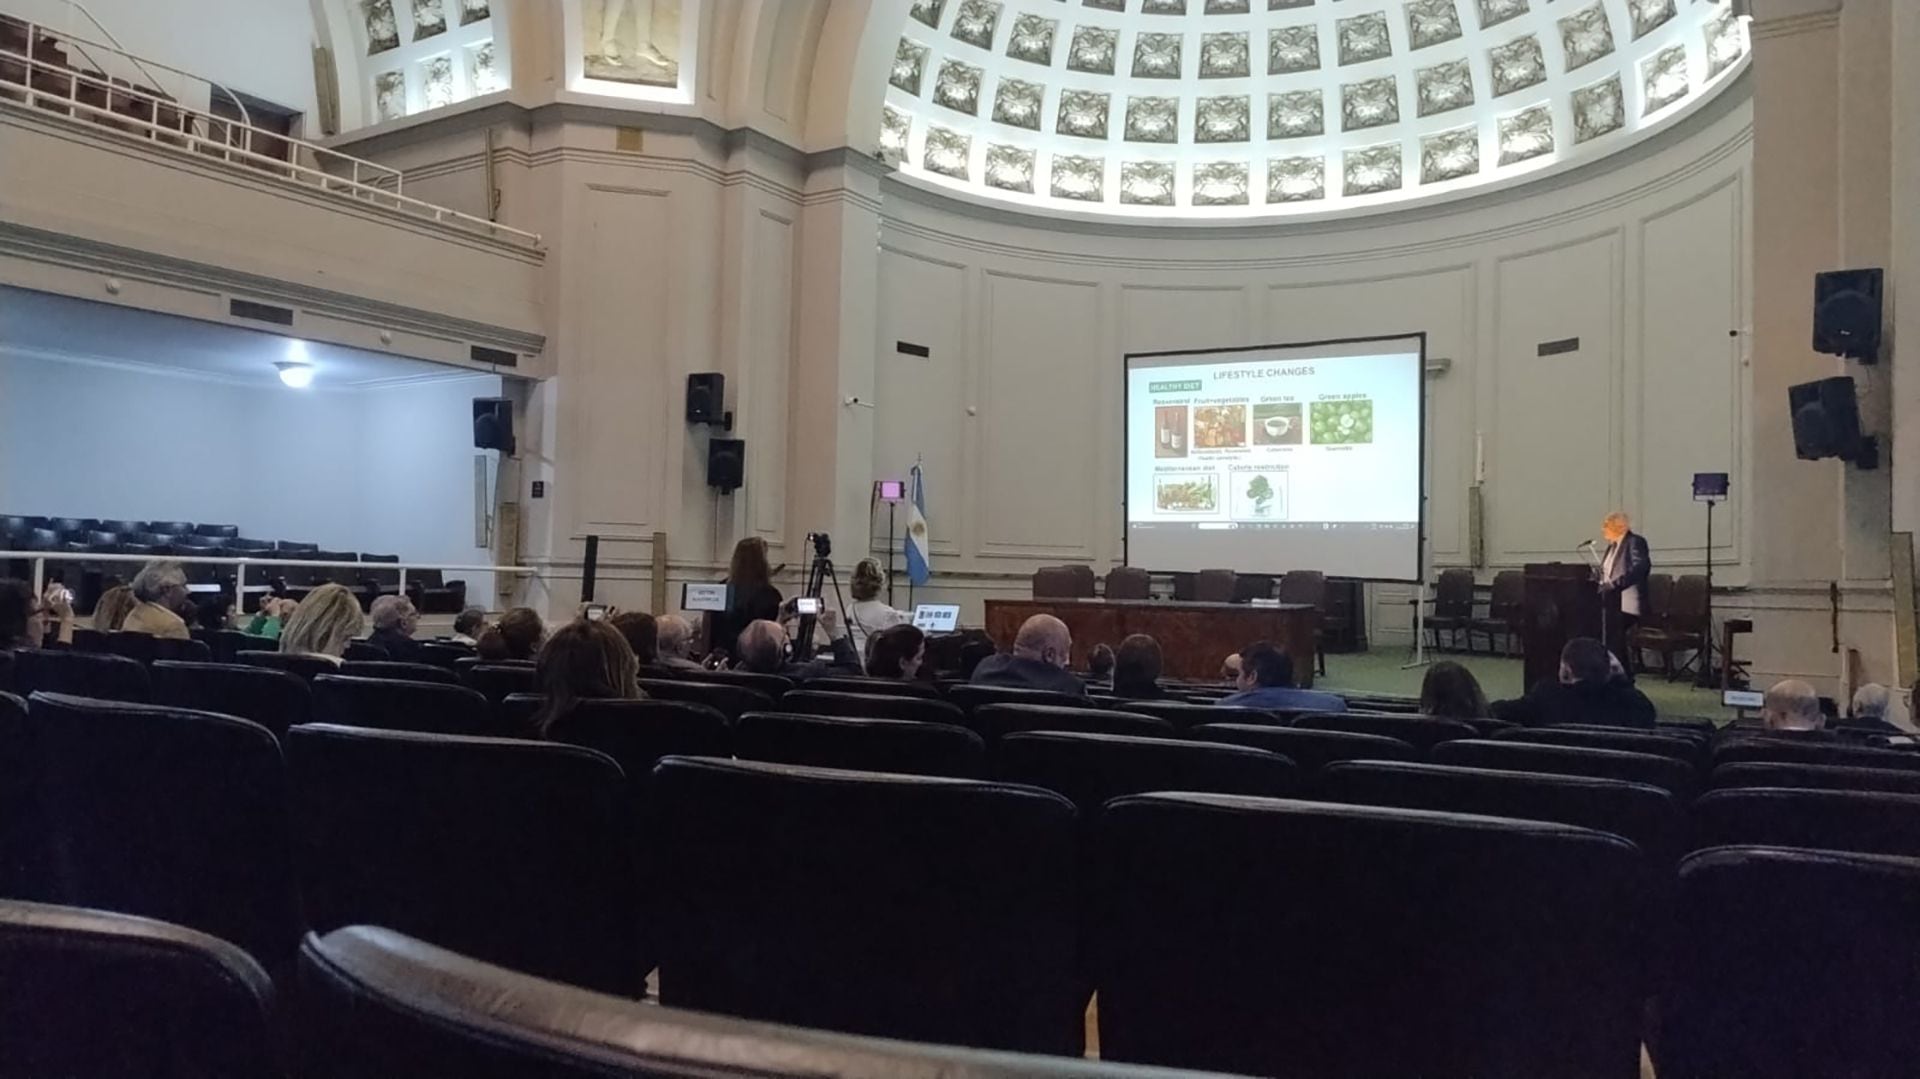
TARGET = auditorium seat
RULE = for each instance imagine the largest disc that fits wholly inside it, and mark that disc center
(1092, 769)
(378, 1004)
(1793, 963)
(431, 593)
(1129, 582)
(225, 532)
(145, 648)
(914, 747)
(393, 705)
(1185, 716)
(1747, 750)
(364, 652)
(306, 666)
(517, 852)
(817, 702)
(1063, 582)
(636, 734)
(773, 685)
(1661, 745)
(87, 674)
(968, 697)
(1678, 777)
(731, 701)
(929, 909)
(407, 672)
(1870, 822)
(98, 995)
(518, 713)
(1814, 776)
(995, 721)
(444, 654)
(1365, 942)
(495, 681)
(166, 813)
(1421, 732)
(274, 699)
(1214, 586)
(1646, 814)
(227, 644)
(1310, 749)
(892, 687)
(17, 827)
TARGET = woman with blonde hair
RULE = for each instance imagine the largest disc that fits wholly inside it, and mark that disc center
(584, 661)
(323, 623)
(869, 614)
(110, 610)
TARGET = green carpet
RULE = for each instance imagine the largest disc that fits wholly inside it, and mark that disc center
(1379, 671)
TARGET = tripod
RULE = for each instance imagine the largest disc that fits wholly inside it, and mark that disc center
(818, 574)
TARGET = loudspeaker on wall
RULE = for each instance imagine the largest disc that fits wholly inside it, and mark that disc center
(493, 424)
(706, 397)
(1846, 314)
(726, 463)
(1826, 422)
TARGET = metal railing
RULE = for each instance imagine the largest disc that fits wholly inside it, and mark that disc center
(161, 120)
(143, 66)
(240, 585)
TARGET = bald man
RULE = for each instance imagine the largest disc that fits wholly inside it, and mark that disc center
(1792, 705)
(1041, 653)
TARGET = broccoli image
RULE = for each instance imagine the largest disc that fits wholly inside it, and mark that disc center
(1342, 422)
(1261, 492)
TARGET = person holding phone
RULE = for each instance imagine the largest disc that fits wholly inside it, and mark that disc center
(27, 622)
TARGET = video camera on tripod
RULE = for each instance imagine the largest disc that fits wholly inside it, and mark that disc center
(819, 571)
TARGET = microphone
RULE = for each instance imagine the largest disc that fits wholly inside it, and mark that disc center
(1583, 543)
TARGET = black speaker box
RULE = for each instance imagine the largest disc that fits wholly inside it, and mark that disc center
(493, 424)
(706, 397)
(1826, 419)
(726, 463)
(1846, 314)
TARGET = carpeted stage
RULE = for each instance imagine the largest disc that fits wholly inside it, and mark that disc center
(1378, 671)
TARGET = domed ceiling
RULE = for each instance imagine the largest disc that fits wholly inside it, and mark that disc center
(1233, 108)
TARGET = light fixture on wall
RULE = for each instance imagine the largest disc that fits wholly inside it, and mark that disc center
(297, 375)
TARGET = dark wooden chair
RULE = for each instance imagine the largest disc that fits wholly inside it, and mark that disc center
(1215, 586)
(1504, 612)
(1452, 608)
(1308, 586)
(1684, 628)
(1129, 582)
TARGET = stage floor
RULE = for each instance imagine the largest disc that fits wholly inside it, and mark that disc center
(1379, 671)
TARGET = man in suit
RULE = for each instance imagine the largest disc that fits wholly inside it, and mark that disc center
(1623, 572)
(1041, 653)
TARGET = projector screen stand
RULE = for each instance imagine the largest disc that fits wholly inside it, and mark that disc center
(1417, 655)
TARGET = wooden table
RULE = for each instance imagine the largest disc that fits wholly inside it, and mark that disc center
(1194, 637)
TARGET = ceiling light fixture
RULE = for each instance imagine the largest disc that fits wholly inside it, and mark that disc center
(296, 375)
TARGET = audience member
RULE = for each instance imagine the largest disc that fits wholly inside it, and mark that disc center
(159, 592)
(763, 649)
(1041, 652)
(751, 596)
(213, 613)
(1100, 663)
(1792, 705)
(1266, 681)
(110, 610)
(642, 634)
(897, 653)
(1136, 669)
(972, 654)
(394, 621)
(323, 623)
(468, 624)
(24, 621)
(585, 660)
(517, 636)
(675, 643)
(869, 614)
(272, 616)
(1450, 691)
(1230, 669)
(1591, 690)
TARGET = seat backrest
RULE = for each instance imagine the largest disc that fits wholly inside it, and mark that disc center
(442, 654)
(307, 667)
(377, 1004)
(1871, 822)
(366, 652)
(1646, 814)
(1248, 587)
(495, 681)
(1687, 612)
(913, 747)
(995, 721)
(731, 701)
(1129, 582)
(19, 831)
(1739, 750)
(1665, 772)
(166, 813)
(1792, 963)
(1453, 595)
(962, 930)
(518, 852)
(99, 994)
(1307, 586)
(1659, 603)
(90, 674)
(773, 685)
(146, 648)
(406, 672)
(636, 734)
(1421, 732)
(1661, 745)
(1185, 715)
(1214, 586)
(393, 705)
(1814, 776)
(892, 687)
(1513, 918)
(1311, 750)
(968, 697)
(1092, 769)
(817, 702)
(1057, 582)
(1509, 591)
(274, 699)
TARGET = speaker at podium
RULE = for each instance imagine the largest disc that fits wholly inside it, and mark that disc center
(1560, 603)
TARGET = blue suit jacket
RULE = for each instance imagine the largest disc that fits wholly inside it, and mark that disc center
(1630, 572)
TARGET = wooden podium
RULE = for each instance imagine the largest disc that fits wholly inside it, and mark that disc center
(1560, 603)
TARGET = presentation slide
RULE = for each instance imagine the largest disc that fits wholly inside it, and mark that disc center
(1271, 459)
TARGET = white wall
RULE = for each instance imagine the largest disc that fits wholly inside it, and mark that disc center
(385, 471)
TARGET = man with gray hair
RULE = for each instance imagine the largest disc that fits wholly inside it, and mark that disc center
(1042, 651)
(160, 592)
(1792, 705)
(675, 642)
(394, 622)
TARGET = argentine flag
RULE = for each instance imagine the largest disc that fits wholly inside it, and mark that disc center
(919, 543)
